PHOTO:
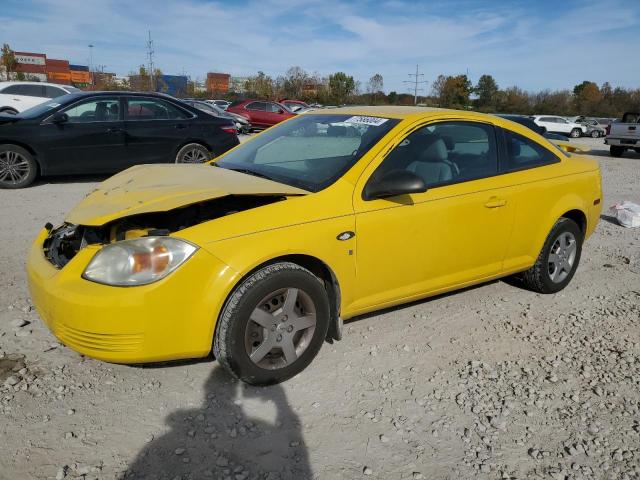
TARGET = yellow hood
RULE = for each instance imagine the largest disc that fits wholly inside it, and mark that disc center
(159, 188)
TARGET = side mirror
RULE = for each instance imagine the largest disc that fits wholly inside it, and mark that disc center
(60, 118)
(395, 182)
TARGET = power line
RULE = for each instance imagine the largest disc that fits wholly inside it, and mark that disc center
(416, 81)
(150, 53)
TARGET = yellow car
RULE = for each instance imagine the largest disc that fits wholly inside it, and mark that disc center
(259, 255)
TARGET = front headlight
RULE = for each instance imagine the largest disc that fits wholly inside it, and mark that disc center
(138, 262)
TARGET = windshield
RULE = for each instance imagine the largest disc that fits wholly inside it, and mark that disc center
(45, 107)
(311, 151)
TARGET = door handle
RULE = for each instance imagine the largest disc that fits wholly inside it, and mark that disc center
(495, 202)
(114, 130)
(180, 126)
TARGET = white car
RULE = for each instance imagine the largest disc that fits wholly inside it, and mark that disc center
(555, 124)
(223, 104)
(16, 97)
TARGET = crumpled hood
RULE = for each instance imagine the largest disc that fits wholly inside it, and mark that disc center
(160, 188)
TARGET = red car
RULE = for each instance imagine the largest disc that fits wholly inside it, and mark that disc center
(261, 114)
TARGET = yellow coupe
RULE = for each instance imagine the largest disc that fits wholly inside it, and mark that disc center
(259, 255)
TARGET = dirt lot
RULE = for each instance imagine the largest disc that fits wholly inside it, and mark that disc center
(493, 382)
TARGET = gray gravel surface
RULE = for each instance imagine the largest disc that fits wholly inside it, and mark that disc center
(492, 382)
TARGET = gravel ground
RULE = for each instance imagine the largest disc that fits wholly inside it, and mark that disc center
(492, 382)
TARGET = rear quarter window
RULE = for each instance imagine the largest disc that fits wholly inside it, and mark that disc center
(522, 153)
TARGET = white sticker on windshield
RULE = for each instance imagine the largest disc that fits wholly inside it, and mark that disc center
(53, 105)
(361, 120)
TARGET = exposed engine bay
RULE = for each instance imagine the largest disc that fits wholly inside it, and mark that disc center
(64, 242)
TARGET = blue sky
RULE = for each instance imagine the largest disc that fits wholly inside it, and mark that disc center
(534, 44)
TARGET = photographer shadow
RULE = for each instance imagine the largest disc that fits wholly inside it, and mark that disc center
(229, 437)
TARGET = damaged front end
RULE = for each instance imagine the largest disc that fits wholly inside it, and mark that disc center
(64, 242)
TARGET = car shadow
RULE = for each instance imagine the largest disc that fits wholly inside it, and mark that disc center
(603, 151)
(231, 435)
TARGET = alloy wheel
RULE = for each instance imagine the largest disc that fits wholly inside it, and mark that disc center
(280, 328)
(194, 155)
(562, 256)
(14, 168)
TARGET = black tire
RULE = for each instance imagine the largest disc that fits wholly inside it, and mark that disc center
(18, 168)
(538, 278)
(193, 153)
(616, 151)
(229, 343)
(575, 133)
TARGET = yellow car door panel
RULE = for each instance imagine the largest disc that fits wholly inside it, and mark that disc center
(453, 234)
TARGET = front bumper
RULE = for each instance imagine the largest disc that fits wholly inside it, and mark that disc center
(167, 320)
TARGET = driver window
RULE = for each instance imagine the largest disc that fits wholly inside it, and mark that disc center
(445, 153)
(102, 110)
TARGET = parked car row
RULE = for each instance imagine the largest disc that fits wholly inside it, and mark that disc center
(17, 97)
(105, 132)
(573, 127)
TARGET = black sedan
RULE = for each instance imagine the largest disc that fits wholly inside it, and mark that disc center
(242, 124)
(105, 132)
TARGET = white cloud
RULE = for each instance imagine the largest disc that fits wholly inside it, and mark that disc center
(516, 45)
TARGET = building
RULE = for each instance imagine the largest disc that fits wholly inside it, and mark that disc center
(218, 83)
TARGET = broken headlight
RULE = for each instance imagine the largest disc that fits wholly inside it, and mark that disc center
(138, 262)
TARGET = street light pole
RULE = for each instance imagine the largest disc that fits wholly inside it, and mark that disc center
(91, 65)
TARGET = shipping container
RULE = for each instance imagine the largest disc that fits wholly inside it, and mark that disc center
(78, 68)
(175, 85)
(218, 82)
(57, 65)
(60, 77)
(28, 58)
(80, 76)
(30, 68)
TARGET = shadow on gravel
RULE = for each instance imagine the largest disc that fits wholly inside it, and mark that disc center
(69, 179)
(221, 440)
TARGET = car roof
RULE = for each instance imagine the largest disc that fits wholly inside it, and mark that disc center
(398, 112)
(3, 84)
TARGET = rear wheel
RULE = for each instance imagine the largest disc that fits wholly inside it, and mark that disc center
(273, 324)
(558, 259)
(616, 151)
(595, 134)
(575, 133)
(18, 168)
(193, 153)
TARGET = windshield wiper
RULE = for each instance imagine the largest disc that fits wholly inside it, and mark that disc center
(252, 172)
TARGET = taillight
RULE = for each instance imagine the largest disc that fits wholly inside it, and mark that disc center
(229, 129)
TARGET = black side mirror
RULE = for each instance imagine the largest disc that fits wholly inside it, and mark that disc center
(395, 182)
(60, 118)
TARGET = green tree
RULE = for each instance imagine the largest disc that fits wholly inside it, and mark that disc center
(587, 98)
(375, 86)
(293, 83)
(8, 60)
(393, 98)
(487, 91)
(341, 86)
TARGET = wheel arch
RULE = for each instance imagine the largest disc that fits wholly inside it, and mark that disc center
(29, 149)
(577, 216)
(316, 266)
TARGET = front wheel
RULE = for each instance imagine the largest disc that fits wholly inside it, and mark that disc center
(193, 153)
(558, 259)
(273, 324)
(616, 151)
(18, 168)
(575, 133)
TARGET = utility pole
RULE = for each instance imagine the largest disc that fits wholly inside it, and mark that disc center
(416, 81)
(150, 53)
(91, 65)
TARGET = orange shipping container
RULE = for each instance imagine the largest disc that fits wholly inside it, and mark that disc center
(59, 77)
(80, 77)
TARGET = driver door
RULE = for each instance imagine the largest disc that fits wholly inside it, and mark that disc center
(453, 234)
